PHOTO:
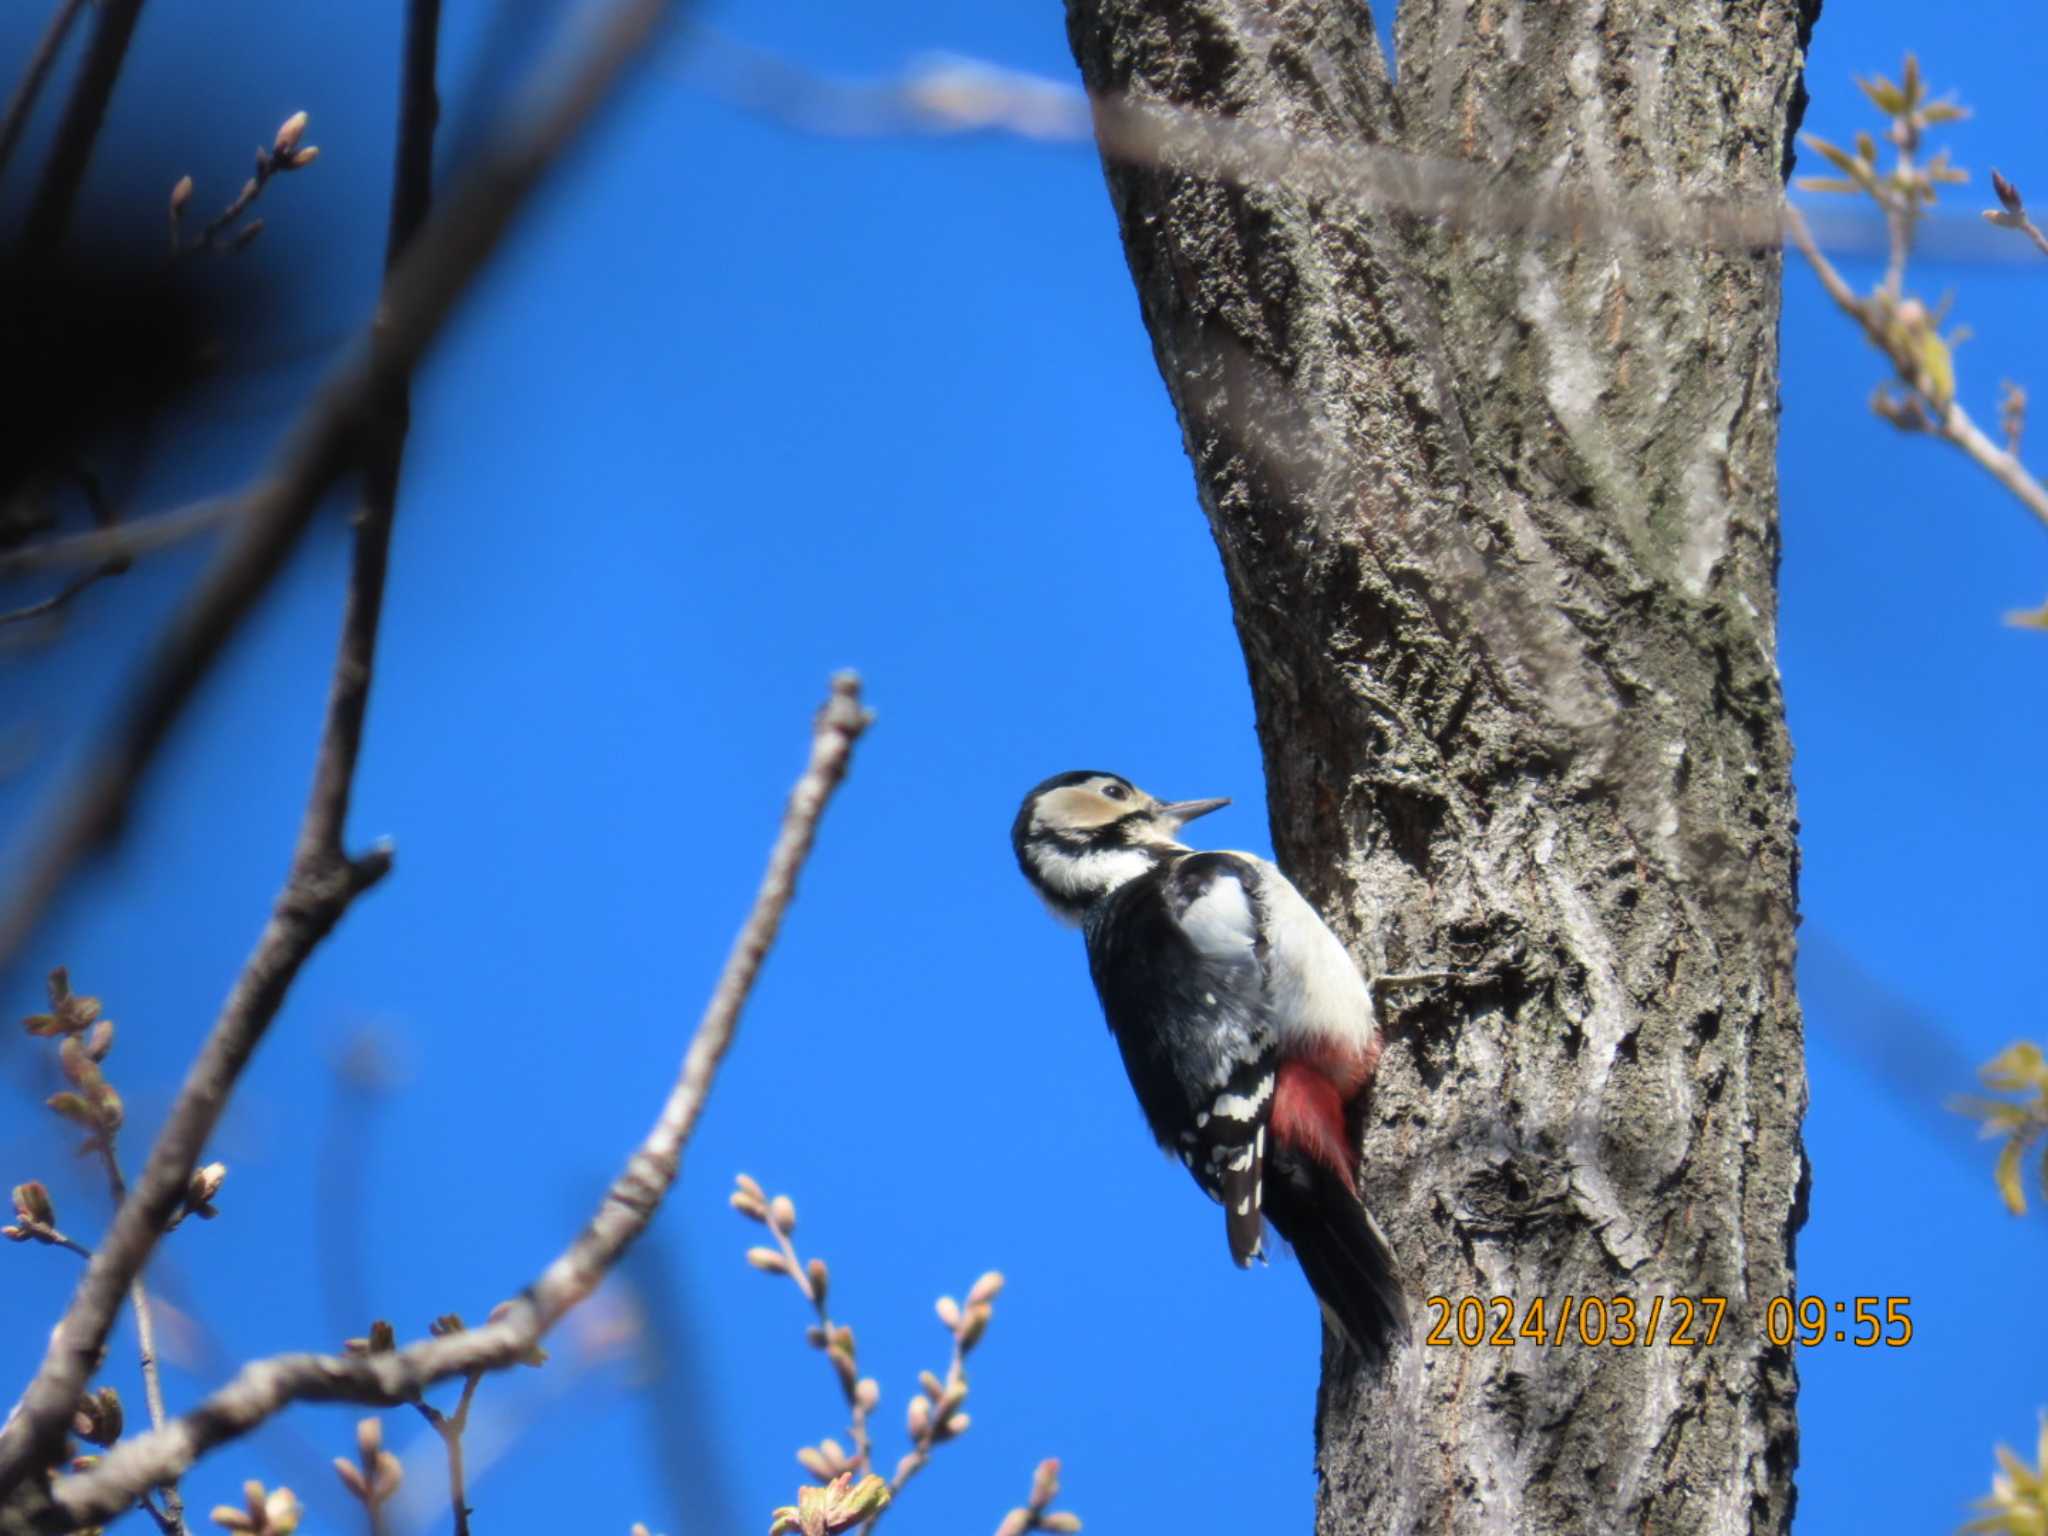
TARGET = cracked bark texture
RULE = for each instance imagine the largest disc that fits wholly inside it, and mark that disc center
(1498, 513)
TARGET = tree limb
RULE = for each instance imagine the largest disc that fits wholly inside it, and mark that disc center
(324, 879)
(49, 216)
(327, 443)
(23, 101)
(263, 1387)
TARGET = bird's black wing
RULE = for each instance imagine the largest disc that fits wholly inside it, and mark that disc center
(1179, 967)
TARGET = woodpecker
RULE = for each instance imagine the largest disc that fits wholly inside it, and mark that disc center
(1245, 1027)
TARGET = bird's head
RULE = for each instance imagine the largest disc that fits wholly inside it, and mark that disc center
(1079, 836)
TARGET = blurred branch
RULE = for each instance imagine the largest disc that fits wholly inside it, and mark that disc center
(23, 102)
(49, 216)
(173, 1517)
(58, 600)
(124, 541)
(389, 1378)
(330, 439)
(952, 96)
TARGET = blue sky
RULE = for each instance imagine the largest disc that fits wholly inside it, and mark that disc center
(737, 408)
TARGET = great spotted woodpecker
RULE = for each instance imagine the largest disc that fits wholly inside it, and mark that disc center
(1245, 1027)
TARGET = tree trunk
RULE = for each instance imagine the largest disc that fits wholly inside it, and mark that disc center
(1498, 510)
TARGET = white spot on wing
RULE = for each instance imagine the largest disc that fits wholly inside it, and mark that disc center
(1238, 1106)
(1219, 921)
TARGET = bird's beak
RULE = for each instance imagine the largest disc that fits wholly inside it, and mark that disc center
(1181, 812)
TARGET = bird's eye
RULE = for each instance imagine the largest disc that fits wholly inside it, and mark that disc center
(1115, 792)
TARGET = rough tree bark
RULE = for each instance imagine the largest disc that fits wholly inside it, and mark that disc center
(1498, 513)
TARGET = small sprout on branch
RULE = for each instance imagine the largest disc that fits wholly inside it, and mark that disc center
(33, 1206)
(2012, 414)
(934, 1414)
(2018, 1502)
(381, 1340)
(70, 1013)
(376, 1474)
(286, 153)
(263, 1514)
(2011, 213)
(2022, 1070)
(839, 1505)
(204, 1184)
(99, 1417)
(289, 132)
(1039, 1515)
(2011, 204)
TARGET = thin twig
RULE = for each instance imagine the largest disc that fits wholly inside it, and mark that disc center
(328, 442)
(173, 1515)
(1946, 419)
(261, 1388)
(450, 1427)
(57, 601)
(49, 216)
(934, 1432)
(23, 102)
(43, 1232)
(2025, 225)
(849, 1382)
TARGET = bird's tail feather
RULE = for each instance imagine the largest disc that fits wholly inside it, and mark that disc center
(1342, 1251)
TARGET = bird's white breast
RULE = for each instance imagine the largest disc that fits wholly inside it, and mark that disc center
(1080, 878)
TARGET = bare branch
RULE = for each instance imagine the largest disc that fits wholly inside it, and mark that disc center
(122, 542)
(23, 102)
(172, 1517)
(388, 1379)
(390, 410)
(49, 216)
(329, 441)
(58, 600)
